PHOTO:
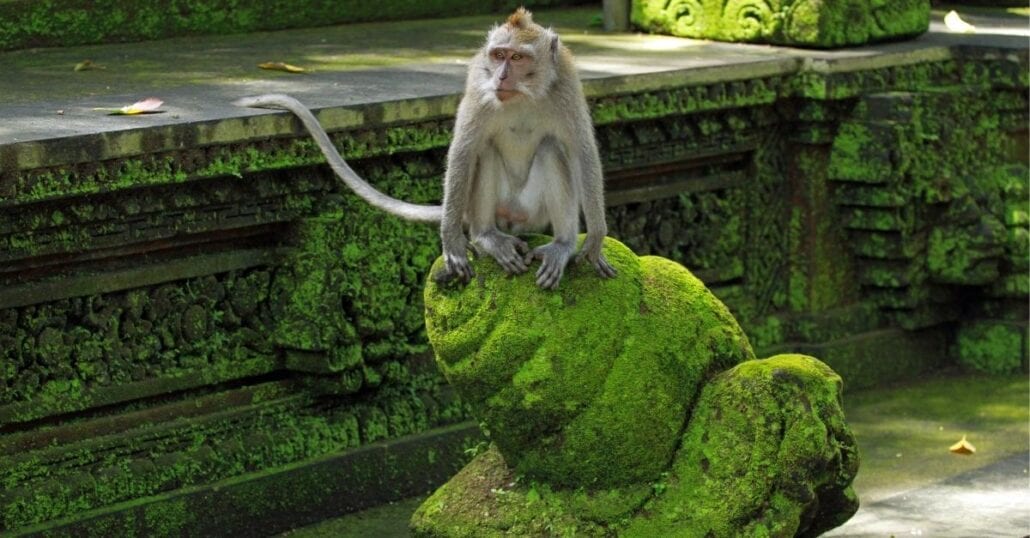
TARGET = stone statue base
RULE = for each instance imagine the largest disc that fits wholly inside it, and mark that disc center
(632, 407)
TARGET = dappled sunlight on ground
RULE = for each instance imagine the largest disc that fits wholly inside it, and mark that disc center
(904, 433)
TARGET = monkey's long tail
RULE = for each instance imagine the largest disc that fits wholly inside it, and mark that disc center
(400, 208)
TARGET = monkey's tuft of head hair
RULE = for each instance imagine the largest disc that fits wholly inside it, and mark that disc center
(521, 18)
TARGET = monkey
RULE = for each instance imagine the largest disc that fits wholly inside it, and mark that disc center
(523, 157)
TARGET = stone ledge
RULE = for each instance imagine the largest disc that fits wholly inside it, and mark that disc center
(49, 126)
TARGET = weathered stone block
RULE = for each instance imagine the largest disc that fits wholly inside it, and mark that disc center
(805, 23)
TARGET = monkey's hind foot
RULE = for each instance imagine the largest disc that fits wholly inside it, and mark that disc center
(506, 249)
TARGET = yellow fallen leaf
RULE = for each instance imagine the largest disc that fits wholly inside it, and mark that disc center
(963, 447)
(149, 105)
(954, 23)
(281, 66)
(86, 65)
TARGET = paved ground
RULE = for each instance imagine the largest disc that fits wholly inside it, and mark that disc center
(990, 501)
(198, 77)
(909, 483)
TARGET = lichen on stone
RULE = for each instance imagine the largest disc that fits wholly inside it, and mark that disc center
(990, 346)
(808, 23)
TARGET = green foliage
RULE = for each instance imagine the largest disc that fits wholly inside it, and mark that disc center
(48, 23)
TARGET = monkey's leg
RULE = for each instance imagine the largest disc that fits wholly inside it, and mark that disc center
(486, 238)
(550, 174)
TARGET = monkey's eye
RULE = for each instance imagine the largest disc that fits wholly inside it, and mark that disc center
(516, 56)
(499, 54)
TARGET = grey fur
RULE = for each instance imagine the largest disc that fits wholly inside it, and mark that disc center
(519, 165)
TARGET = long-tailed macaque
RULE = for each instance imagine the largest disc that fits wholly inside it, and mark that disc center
(523, 157)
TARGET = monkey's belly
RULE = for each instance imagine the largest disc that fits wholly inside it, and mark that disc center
(511, 215)
(514, 219)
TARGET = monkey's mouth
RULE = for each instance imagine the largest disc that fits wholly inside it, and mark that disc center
(504, 95)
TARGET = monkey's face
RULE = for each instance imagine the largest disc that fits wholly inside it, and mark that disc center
(518, 63)
(512, 71)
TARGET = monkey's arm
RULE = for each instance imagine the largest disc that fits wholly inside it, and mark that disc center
(456, 191)
(593, 203)
(400, 208)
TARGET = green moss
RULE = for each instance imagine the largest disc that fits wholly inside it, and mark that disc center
(485, 499)
(166, 519)
(991, 347)
(809, 23)
(766, 453)
(541, 376)
(278, 436)
(797, 287)
(768, 332)
(222, 161)
(751, 424)
(657, 104)
(966, 255)
(353, 287)
(861, 154)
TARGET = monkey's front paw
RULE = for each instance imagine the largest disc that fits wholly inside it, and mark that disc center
(600, 263)
(553, 259)
(454, 267)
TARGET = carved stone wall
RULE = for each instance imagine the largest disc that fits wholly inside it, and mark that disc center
(807, 23)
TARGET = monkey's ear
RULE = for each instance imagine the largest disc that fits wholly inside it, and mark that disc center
(555, 46)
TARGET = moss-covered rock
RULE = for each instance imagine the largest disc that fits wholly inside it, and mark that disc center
(767, 453)
(586, 393)
(807, 23)
(995, 347)
(589, 385)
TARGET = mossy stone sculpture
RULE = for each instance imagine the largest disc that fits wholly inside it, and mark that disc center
(630, 406)
(804, 23)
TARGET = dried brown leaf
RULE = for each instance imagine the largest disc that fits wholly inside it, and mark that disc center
(963, 447)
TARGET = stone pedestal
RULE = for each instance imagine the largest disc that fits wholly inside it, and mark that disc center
(632, 405)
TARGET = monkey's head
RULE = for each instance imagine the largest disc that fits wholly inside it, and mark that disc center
(519, 60)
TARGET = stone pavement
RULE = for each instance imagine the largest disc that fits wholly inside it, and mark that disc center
(909, 484)
(43, 98)
(990, 501)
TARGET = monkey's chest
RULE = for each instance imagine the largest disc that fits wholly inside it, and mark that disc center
(517, 146)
